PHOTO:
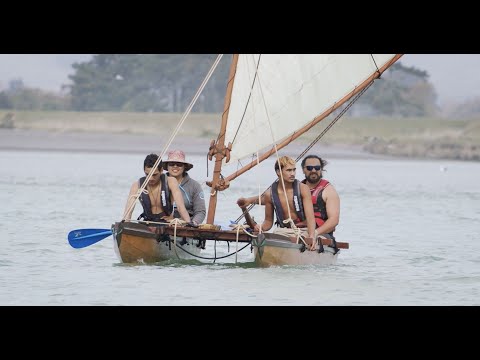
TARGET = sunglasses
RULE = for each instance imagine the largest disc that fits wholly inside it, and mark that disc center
(176, 164)
(316, 167)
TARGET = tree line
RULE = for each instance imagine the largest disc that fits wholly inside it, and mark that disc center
(167, 83)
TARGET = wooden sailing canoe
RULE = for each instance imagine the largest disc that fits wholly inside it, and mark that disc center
(147, 244)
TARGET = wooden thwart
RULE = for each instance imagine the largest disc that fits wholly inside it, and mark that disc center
(328, 242)
(224, 235)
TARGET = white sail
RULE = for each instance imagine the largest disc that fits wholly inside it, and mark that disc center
(279, 94)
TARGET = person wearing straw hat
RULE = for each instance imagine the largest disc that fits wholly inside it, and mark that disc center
(193, 196)
(161, 192)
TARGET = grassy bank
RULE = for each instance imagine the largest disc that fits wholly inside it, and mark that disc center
(198, 125)
(412, 137)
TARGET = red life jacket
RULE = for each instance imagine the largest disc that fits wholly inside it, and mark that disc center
(319, 207)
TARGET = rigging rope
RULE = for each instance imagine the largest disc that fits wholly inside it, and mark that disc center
(176, 222)
(276, 150)
(355, 98)
(237, 228)
(172, 137)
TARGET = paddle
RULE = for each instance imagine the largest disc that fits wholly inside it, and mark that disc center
(81, 238)
(248, 218)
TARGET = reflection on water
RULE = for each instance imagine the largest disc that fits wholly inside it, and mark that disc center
(413, 231)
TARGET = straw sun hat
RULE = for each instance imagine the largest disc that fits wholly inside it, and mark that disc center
(178, 156)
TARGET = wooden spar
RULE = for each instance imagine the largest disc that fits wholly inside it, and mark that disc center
(315, 121)
(220, 146)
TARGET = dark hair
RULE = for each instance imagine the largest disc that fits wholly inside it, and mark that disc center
(323, 163)
(150, 160)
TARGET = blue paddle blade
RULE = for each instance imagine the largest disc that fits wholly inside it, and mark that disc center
(81, 238)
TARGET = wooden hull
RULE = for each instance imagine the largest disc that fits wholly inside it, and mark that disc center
(143, 244)
(277, 250)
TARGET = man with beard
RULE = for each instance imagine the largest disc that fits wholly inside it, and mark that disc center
(325, 199)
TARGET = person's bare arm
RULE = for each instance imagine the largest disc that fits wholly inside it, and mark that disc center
(308, 209)
(178, 198)
(130, 201)
(332, 204)
(250, 200)
(268, 222)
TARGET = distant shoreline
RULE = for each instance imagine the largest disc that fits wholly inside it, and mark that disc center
(94, 142)
(124, 132)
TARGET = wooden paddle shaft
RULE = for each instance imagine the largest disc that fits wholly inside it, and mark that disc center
(248, 218)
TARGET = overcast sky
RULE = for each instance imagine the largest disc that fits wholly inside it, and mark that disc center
(45, 71)
(456, 77)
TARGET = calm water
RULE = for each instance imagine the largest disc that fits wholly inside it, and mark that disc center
(413, 229)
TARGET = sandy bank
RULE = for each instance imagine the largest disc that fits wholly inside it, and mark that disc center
(42, 140)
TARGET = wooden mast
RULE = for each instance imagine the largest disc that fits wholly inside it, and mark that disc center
(220, 149)
(315, 121)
